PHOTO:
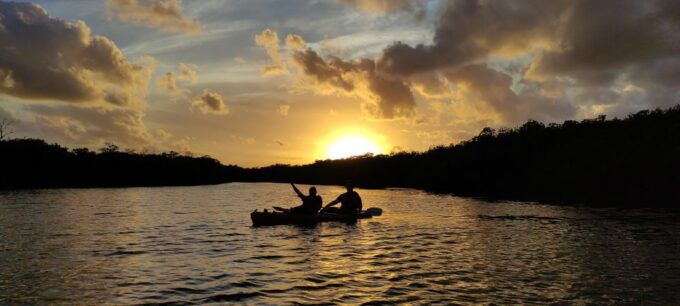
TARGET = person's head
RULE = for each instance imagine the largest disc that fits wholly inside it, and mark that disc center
(312, 190)
(349, 186)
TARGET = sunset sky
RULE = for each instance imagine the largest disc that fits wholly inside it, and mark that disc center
(257, 82)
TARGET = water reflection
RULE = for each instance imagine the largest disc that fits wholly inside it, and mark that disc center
(196, 245)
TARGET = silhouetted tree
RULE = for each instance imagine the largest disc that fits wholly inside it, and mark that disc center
(6, 128)
(109, 148)
(32, 163)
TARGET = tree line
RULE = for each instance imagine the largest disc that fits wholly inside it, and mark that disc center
(633, 161)
(33, 163)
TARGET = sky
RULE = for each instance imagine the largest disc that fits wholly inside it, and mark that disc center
(259, 82)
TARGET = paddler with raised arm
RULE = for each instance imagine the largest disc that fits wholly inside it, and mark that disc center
(310, 203)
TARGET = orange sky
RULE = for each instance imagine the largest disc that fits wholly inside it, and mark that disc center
(275, 81)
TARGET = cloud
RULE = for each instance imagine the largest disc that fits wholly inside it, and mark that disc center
(574, 47)
(269, 40)
(273, 70)
(484, 87)
(159, 14)
(187, 73)
(93, 126)
(45, 58)
(211, 103)
(168, 81)
(386, 6)
(284, 109)
(384, 96)
(6, 115)
(517, 59)
(118, 98)
(294, 41)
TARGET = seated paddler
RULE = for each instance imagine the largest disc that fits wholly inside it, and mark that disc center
(310, 203)
(350, 202)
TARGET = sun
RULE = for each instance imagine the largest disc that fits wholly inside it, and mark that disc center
(351, 145)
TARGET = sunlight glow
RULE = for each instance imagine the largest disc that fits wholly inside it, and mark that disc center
(351, 145)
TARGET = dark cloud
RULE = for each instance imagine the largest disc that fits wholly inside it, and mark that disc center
(572, 49)
(388, 97)
(517, 59)
(47, 58)
(332, 72)
(470, 30)
(393, 96)
(601, 40)
(483, 85)
(160, 14)
(117, 98)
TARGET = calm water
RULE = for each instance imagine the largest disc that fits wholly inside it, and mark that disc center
(196, 245)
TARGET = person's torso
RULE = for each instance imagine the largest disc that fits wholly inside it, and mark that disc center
(350, 200)
(312, 202)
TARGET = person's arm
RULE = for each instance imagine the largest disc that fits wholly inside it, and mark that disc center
(336, 201)
(299, 194)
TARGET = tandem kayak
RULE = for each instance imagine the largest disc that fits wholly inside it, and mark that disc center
(261, 218)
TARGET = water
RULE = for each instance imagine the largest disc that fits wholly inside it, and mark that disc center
(196, 245)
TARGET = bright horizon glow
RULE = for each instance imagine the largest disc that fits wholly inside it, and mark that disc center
(351, 145)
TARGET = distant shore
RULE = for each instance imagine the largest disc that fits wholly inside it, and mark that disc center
(629, 162)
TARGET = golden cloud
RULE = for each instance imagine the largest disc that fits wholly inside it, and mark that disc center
(159, 14)
(168, 81)
(211, 103)
(93, 126)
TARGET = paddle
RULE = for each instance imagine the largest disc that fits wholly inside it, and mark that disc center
(374, 211)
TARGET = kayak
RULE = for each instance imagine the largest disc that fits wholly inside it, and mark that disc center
(285, 218)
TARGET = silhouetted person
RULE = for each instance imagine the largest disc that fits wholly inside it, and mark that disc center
(350, 202)
(310, 203)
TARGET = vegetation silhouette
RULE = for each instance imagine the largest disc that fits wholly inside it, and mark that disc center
(32, 163)
(633, 161)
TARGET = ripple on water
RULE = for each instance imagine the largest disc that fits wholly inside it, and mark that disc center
(234, 297)
(126, 253)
